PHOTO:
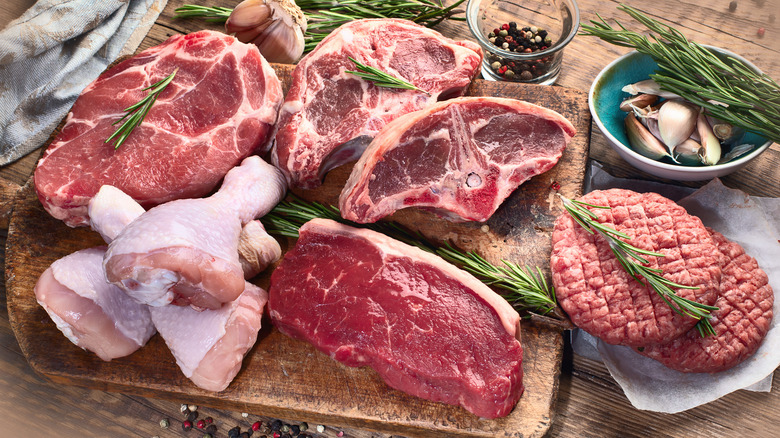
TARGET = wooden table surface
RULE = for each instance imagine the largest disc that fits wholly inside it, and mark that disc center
(589, 403)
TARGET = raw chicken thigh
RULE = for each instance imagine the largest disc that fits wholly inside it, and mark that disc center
(186, 251)
(93, 314)
(210, 345)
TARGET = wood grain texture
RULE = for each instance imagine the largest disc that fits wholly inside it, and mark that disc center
(290, 379)
(589, 404)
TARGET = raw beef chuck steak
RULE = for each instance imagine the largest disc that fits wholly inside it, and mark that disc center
(602, 298)
(426, 327)
(220, 107)
(461, 157)
(329, 116)
(741, 321)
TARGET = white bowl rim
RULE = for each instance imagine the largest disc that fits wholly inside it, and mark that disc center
(673, 167)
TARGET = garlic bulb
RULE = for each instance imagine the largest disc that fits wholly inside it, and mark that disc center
(276, 27)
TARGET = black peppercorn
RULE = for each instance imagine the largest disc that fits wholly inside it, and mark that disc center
(192, 416)
(243, 435)
(212, 429)
(296, 430)
(233, 433)
(276, 425)
(733, 6)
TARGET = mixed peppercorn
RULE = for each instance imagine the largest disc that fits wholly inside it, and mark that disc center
(525, 40)
(258, 429)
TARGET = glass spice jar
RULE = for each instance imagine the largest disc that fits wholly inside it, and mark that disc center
(523, 41)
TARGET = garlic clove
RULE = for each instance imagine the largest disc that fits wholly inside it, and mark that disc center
(638, 101)
(281, 45)
(247, 15)
(711, 151)
(688, 152)
(648, 86)
(642, 141)
(276, 27)
(676, 122)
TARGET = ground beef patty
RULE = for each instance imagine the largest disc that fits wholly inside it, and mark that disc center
(741, 321)
(604, 300)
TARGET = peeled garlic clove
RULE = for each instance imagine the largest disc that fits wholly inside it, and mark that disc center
(676, 122)
(710, 153)
(688, 153)
(276, 27)
(638, 101)
(648, 86)
(642, 141)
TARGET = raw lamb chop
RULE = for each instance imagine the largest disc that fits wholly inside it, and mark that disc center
(111, 210)
(221, 107)
(329, 116)
(93, 314)
(426, 327)
(209, 345)
(186, 251)
(461, 157)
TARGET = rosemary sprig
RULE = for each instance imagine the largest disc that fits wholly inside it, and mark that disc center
(323, 16)
(381, 78)
(525, 289)
(135, 114)
(214, 14)
(633, 261)
(724, 86)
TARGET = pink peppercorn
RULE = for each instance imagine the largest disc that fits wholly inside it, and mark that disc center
(201, 424)
(761, 32)
(256, 425)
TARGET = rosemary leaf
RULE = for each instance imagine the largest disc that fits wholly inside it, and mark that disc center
(213, 14)
(630, 258)
(752, 100)
(381, 78)
(524, 288)
(136, 113)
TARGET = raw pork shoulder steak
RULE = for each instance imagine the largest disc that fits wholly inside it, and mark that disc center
(461, 157)
(221, 107)
(602, 298)
(329, 116)
(426, 327)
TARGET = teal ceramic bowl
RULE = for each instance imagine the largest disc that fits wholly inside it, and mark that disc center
(604, 100)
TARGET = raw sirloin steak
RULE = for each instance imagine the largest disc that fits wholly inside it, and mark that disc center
(426, 327)
(329, 116)
(602, 298)
(221, 107)
(461, 157)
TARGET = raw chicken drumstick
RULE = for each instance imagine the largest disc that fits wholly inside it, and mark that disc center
(186, 251)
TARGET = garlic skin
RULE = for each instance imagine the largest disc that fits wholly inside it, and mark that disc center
(648, 86)
(276, 27)
(676, 122)
(638, 101)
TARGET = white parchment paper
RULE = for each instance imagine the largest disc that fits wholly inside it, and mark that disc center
(752, 222)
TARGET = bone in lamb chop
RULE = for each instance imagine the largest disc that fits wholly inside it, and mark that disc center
(186, 251)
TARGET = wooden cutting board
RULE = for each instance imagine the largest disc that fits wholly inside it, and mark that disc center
(289, 379)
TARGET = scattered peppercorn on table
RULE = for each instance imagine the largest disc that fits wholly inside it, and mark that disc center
(589, 402)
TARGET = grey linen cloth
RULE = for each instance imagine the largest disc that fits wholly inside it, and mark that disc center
(54, 50)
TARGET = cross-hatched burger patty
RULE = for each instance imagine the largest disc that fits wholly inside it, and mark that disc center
(602, 298)
(741, 321)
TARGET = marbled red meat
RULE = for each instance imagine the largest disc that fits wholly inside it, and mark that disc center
(741, 321)
(601, 298)
(426, 327)
(329, 116)
(461, 157)
(221, 107)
